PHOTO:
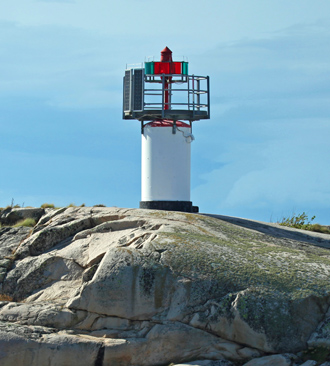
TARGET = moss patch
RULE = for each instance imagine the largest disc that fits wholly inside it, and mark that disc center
(247, 259)
(319, 354)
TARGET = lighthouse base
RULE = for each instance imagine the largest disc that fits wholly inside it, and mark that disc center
(183, 206)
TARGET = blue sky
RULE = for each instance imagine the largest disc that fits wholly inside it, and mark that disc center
(264, 153)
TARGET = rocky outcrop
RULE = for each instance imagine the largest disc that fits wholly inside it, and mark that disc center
(11, 216)
(141, 287)
(10, 239)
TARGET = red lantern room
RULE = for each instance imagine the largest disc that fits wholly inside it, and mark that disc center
(163, 89)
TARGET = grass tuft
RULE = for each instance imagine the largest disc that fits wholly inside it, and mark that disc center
(27, 222)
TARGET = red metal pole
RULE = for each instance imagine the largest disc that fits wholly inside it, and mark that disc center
(166, 56)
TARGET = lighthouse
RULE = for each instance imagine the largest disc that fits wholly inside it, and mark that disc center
(166, 100)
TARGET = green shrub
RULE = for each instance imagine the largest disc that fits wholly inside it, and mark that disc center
(47, 205)
(297, 221)
(301, 222)
(27, 222)
(320, 229)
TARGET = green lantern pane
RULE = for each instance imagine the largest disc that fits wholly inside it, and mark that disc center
(185, 68)
(149, 68)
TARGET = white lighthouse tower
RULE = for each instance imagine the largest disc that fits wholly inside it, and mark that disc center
(162, 95)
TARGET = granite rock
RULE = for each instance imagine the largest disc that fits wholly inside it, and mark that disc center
(137, 287)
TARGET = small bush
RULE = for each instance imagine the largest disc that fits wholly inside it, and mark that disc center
(27, 222)
(297, 221)
(320, 229)
(47, 205)
(100, 205)
(301, 222)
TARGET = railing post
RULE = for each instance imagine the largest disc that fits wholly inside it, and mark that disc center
(208, 96)
(193, 94)
(163, 96)
(188, 92)
(198, 94)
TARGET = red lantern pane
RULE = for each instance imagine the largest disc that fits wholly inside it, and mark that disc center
(167, 68)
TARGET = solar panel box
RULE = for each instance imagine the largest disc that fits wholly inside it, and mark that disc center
(133, 96)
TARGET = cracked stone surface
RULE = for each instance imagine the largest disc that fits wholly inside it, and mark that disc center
(134, 287)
